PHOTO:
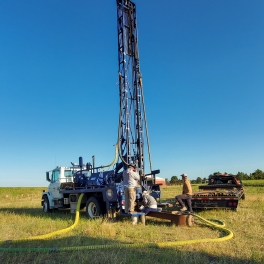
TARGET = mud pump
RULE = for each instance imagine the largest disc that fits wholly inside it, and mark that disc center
(103, 189)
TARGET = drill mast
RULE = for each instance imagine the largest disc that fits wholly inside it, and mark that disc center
(132, 129)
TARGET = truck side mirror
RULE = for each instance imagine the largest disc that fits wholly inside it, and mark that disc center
(47, 176)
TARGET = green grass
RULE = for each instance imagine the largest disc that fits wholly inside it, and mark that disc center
(253, 182)
(21, 217)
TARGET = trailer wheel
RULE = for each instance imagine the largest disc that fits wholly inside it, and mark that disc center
(46, 205)
(94, 207)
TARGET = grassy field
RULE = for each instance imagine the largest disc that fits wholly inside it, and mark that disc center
(21, 217)
(253, 182)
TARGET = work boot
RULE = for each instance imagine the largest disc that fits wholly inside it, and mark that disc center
(184, 208)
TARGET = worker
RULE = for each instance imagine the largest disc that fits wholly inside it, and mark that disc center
(149, 203)
(186, 194)
(130, 180)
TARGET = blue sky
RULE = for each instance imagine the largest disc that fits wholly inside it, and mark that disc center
(203, 72)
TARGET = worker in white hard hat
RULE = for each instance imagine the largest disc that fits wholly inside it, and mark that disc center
(186, 194)
(130, 180)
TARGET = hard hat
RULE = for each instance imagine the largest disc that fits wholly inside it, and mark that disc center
(145, 193)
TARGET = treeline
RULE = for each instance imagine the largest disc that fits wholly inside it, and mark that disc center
(256, 175)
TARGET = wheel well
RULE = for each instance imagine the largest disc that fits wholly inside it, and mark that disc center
(97, 196)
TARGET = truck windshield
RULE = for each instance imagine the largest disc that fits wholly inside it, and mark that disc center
(55, 175)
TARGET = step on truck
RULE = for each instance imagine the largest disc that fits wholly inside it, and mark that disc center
(222, 191)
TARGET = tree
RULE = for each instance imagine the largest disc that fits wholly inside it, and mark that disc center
(204, 180)
(174, 180)
(199, 180)
(258, 174)
(167, 181)
(242, 176)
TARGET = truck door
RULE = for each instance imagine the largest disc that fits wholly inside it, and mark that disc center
(54, 186)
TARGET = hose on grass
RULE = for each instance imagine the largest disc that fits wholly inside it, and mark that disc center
(55, 233)
(228, 234)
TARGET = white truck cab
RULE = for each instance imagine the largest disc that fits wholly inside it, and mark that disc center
(58, 178)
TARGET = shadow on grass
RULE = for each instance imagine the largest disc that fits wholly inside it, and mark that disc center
(85, 249)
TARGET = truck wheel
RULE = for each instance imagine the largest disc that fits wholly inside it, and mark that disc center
(243, 197)
(46, 205)
(94, 207)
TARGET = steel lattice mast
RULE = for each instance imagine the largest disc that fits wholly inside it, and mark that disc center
(132, 120)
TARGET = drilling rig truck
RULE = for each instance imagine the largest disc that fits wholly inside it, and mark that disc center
(103, 189)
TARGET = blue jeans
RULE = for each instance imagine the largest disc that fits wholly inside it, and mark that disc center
(146, 210)
(187, 198)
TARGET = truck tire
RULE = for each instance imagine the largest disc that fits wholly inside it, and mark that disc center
(94, 207)
(46, 205)
(243, 197)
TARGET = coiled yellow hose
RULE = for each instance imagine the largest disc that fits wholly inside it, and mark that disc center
(228, 235)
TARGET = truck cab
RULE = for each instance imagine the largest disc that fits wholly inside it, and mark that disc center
(58, 178)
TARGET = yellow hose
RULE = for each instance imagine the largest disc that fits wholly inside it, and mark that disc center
(58, 232)
(116, 156)
(228, 235)
(65, 230)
